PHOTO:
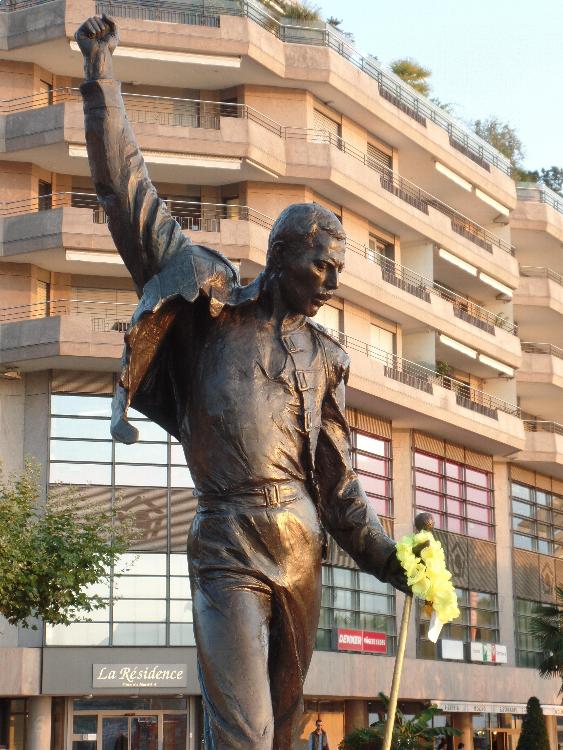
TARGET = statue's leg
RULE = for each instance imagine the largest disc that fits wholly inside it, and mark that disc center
(232, 619)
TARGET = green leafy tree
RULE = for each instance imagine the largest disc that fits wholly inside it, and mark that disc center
(50, 552)
(504, 138)
(547, 628)
(413, 73)
(552, 178)
(407, 733)
(301, 11)
(534, 731)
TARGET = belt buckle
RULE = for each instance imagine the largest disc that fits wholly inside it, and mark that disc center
(272, 494)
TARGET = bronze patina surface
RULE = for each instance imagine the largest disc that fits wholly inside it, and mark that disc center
(254, 390)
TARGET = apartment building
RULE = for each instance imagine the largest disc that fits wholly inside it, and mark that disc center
(450, 317)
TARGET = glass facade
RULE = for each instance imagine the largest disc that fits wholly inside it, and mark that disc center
(371, 457)
(537, 520)
(351, 599)
(148, 603)
(460, 497)
(477, 621)
(528, 653)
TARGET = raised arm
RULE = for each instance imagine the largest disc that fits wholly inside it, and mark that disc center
(346, 512)
(142, 228)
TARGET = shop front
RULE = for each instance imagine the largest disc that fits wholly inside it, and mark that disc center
(134, 723)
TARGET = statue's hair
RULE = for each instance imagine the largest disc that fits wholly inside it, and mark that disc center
(299, 224)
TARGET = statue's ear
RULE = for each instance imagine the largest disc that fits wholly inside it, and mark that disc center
(276, 252)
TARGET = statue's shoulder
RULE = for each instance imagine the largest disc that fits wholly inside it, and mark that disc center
(193, 270)
(336, 354)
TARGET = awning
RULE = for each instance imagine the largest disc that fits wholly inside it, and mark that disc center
(475, 707)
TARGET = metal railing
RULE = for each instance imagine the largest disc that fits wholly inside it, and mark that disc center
(539, 425)
(422, 287)
(11, 5)
(208, 114)
(537, 348)
(207, 217)
(541, 272)
(105, 315)
(423, 378)
(391, 87)
(538, 193)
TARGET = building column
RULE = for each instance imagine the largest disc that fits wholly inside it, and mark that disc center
(355, 715)
(504, 559)
(551, 726)
(462, 721)
(38, 723)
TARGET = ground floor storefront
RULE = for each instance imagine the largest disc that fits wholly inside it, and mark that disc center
(174, 722)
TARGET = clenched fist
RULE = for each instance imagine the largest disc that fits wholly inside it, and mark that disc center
(97, 38)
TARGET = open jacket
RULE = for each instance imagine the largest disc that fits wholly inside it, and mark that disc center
(176, 279)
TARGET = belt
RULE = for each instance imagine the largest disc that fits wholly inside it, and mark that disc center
(268, 496)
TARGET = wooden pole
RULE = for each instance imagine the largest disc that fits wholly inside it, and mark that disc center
(423, 521)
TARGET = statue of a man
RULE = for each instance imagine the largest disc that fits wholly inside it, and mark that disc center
(254, 390)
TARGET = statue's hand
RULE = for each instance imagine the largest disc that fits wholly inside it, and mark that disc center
(394, 574)
(97, 38)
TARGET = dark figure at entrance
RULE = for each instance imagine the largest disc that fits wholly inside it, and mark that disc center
(254, 390)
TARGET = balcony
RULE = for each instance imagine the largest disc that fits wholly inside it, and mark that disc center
(67, 232)
(415, 396)
(537, 226)
(538, 304)
(543, 451)
(540, 380)
(207, 142)
(232, 43)
(64, 333)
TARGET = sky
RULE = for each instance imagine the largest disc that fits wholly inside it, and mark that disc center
(500, 58)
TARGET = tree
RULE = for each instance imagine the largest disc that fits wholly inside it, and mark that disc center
(50, 552)
(552, 178)
(547, 628)
(534, 731)
(504, 138)
(300, 11)
(412, 73)
(407, 734)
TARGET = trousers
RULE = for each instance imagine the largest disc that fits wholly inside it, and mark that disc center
(255, 575)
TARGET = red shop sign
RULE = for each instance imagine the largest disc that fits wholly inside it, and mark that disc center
(361, 640)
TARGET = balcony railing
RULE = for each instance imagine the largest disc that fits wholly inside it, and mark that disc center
(423, 378)
(207, 217)
(539, 272)
(534, 348)
(208, 114)
(422, 287)
(105, 315)
(535, 425)
(392, 88)
(11, 5)
(537, 193)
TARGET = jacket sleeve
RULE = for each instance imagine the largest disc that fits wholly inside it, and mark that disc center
(144, 232)
(346, 512)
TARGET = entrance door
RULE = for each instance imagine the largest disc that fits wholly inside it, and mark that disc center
(130, 733)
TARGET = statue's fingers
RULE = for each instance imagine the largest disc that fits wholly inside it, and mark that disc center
(110, 23)
(89, 28)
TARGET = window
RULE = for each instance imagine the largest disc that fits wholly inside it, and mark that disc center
(384, 341)
(377, 158)
(329, 317)
(477, 621)
(459, 497)
(147, 599)
(351, 599)
(528, 653)
(148, 603)
(378, 246)
(81, 446)
(537, 520)
(326, 129)
(45, 196)
(371, 457)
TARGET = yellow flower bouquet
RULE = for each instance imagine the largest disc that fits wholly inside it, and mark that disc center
(429, 578)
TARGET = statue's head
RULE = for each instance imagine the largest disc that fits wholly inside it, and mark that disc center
(306, 255)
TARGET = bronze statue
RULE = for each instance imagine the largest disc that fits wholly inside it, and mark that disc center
(254, 390)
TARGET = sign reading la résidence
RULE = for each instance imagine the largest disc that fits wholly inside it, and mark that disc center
(139, 675)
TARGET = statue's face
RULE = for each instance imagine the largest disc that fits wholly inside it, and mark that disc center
(311, 276)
